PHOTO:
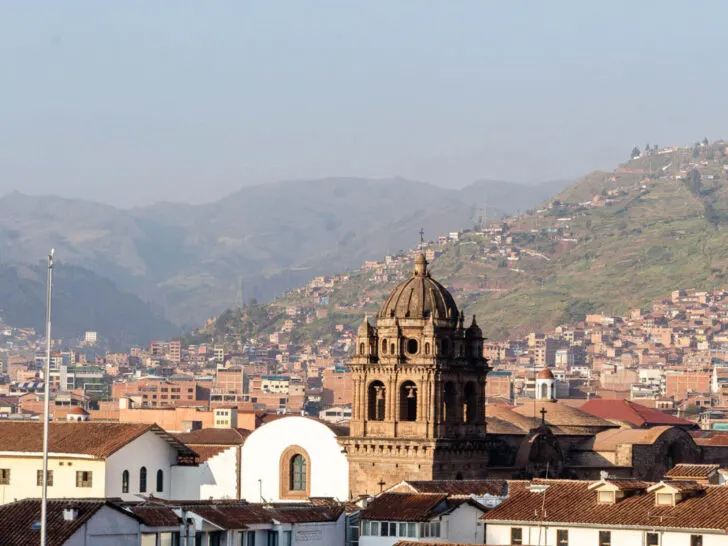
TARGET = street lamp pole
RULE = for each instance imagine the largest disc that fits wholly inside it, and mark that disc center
(46, 404)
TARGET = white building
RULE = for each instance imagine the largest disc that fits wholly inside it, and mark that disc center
(610, 513)
(82, 522)
(294, 458)
(89, 460)
(430, 517)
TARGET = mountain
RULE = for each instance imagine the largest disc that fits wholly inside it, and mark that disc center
(190, 260)
(607, 243)
(81, 301)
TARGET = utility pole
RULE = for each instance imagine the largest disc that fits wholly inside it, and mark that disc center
(46, 404)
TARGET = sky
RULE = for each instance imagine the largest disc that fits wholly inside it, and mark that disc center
(135, 102)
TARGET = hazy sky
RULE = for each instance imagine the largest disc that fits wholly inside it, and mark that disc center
(131, 102)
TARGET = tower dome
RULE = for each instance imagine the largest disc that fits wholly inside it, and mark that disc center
(420, 297)
(545, 374)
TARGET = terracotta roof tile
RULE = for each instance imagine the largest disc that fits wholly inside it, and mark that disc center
(87, 438)
(207, 452)
(710, 437)
(18, 519)
(404, 506)
(630, 412)
(459, 487)
(216, 436)
(156, 516)
(568, 502)
(691, 471)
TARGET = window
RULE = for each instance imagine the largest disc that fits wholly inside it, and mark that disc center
(361, 348)
(271, 539)
(427, 348)
(652, 539)
(143, 479)
(412, 346)
(606, 497)
(388, 529)
(247, 538)
(287, 538)
(412, 530)
(696, 540)
(298, 473)
(125, 481)
(374, 528)
(562, 537)
(664, 499)
(384, 346)
(4, 476)
(160, 481)
(217, 538)
(39, 478)
(84, 478)
(516, 535)
(169, 539)
(431, 529)
(365, 528)
(605, 538)
(448, 402)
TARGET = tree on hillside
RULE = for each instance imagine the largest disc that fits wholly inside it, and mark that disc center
(693, 181)
(705, 141)
(635, 152)
(647, 147)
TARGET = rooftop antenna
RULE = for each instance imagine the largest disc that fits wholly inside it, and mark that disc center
(422, 238)
(46, 404)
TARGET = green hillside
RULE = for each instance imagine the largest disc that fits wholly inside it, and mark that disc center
(612, 241)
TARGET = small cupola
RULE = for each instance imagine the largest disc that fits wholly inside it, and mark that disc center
(670, 493)
(611, 490)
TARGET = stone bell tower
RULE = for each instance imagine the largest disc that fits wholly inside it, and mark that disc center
(419, 376)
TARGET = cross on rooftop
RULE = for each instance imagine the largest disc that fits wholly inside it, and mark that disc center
(422, 237)
(543, 413)
(381, 484)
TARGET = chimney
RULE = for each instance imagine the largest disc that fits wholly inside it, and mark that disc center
(70, 513)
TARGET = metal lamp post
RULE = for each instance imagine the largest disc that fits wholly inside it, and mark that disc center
(46, 404)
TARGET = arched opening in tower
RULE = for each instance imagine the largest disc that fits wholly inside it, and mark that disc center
(408, 401)
(469, 403)
(376, 396)
(448, 402)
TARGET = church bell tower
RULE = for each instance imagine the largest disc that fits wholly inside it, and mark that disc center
(418, 410)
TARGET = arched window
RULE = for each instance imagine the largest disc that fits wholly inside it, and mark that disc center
(361, 348)
(384, 346)
(412, 346)
(160, 480)
(125, 481)
(448, 402)
(392, 348)
(470, 403)
(427, 348)
(297, 473)
(408, 401)
(143, 479)
(376, 399)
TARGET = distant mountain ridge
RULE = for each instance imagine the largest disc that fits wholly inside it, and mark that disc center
(190, 260)
(81, 301)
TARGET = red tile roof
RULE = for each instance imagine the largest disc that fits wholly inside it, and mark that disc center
(404, 507)
(18, 518)
(455, 487)
(571, 502)
(630, 412)
(691, 471)
(710, 437)
(214, 436)
(99, 440)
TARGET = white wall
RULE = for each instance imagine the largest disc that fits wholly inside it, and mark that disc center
(148, 450)
(262, 452)
(320, 534)
(464, 525)
(215, 478)
(501, 534)
(107, 527)
(24, 484)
